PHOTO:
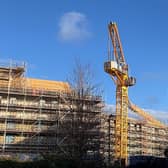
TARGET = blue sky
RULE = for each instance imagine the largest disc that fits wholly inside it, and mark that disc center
(50, 34)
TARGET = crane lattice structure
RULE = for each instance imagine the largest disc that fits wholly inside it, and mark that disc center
(117, 68)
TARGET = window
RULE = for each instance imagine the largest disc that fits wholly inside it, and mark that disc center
(10, 125)
(12, 100)
(54, 104)
(42, 102)
(9, 139)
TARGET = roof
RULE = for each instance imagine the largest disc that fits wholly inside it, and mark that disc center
(18, 81)
(47, 85)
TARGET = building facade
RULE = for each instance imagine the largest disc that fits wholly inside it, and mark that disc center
(143, 139)
(39, 117)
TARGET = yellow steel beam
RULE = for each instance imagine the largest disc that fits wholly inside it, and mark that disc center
(149, 118)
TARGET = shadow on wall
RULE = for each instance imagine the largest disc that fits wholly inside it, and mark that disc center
(72, 138)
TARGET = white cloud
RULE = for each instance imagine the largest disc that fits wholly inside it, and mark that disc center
(159, 115)
(73, 26)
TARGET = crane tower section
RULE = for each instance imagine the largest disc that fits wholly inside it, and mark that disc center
(118, 70)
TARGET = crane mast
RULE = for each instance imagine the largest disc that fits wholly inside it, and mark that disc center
(118, 70)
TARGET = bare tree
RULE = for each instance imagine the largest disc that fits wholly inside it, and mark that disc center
(82, 80)
(85, 133)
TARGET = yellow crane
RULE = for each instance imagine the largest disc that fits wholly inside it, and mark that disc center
(117, 68)
(149, 118)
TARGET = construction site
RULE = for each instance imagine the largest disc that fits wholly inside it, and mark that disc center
(39, 117)
(143, 139)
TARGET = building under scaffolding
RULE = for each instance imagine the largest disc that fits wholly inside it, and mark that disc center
(40, 116)
(143, 138)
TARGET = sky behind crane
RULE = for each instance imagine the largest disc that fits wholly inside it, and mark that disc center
(50, 34)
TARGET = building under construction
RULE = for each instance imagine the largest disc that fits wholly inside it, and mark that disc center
(143, 139)
(40, 117)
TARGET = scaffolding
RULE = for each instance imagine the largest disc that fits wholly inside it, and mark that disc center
(144, 139)
(47, 117)
(40, 116)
